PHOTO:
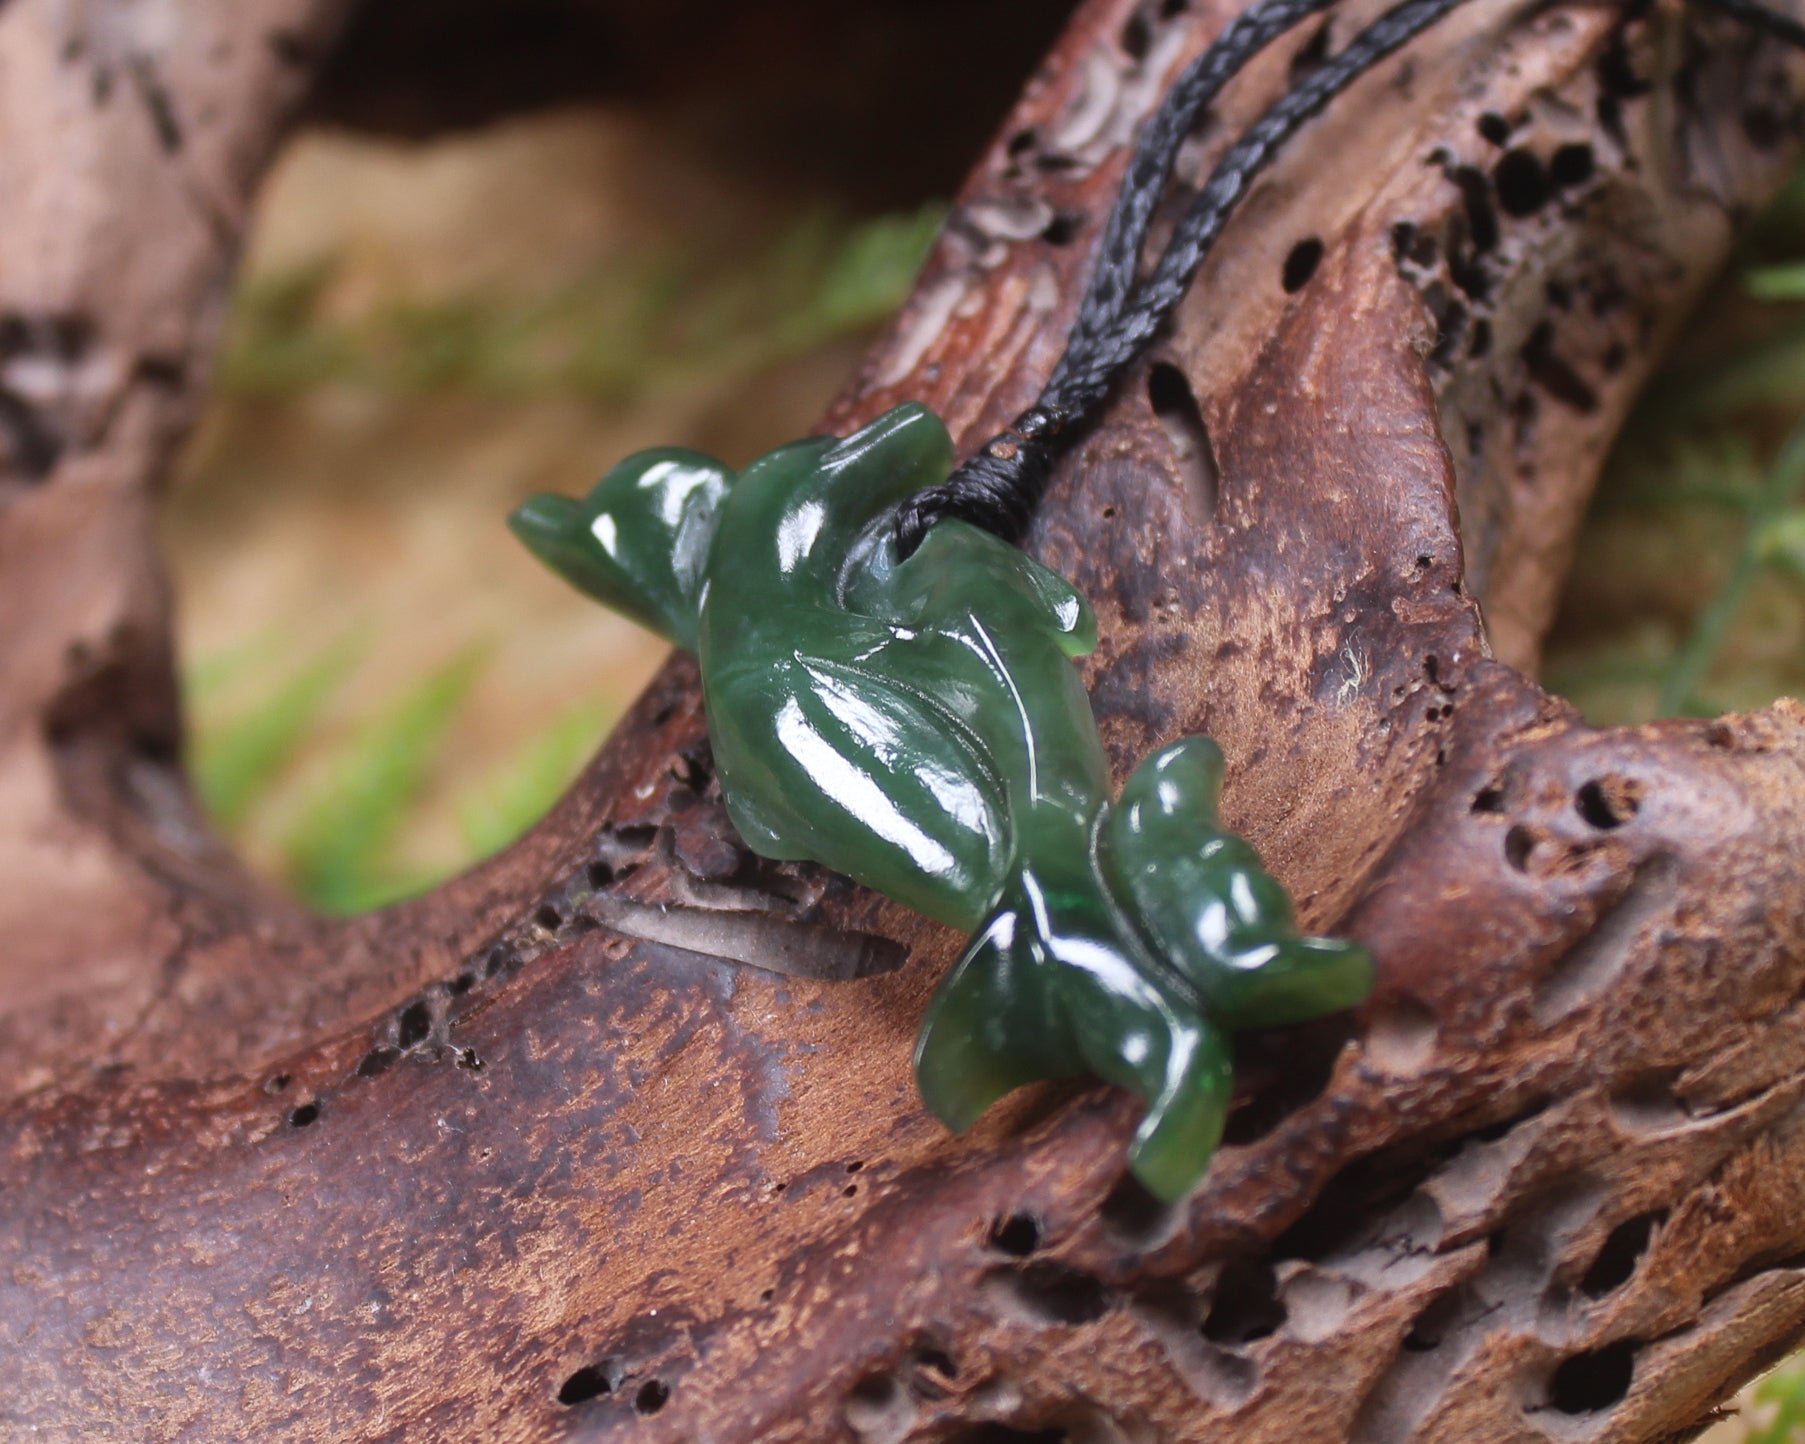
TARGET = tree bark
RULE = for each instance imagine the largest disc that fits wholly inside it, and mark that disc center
(616, 1134)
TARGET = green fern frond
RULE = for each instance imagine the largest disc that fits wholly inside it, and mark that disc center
(235, 763)
(335, 854)
(1777, 283)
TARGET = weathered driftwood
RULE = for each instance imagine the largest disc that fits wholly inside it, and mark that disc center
(542, 1155)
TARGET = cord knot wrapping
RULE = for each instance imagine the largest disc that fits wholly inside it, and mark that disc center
(997, 489)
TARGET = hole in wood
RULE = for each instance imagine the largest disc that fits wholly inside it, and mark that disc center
(1618, 1257)
(1555, 374)
(1586, 969)
(1519, 843)
(936, 1360)
(1648, 1104)
(1135, 1216)
(1175, 405)
(1607, 802)
(1401, 1039)
(1490, 798)
(638, 837)
(1480, 213)
(1521, 183)
(1301, 263)
(1137, 36)
(1434, 1323)
(1571, 165)
(592, 1381)
(1311, 54)
(1053, 1293)
(1381, 1187)
(1246, 1304)
(1298, 1080)
(1017, 1235)
(877, 1407)
(1594, 1381)
(414, 1024)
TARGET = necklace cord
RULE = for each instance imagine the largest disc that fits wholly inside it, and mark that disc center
(999, 487)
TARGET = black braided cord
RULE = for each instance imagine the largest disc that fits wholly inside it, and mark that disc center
(999, 487)
(1149, 172)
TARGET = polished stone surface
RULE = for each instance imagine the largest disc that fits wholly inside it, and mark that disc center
(920, 726)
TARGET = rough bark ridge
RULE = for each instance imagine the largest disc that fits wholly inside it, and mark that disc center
(539, 1156)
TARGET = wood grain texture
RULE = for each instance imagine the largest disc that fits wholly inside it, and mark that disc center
(570, 1149)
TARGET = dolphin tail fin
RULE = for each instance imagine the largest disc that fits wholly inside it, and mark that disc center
(1047, 991)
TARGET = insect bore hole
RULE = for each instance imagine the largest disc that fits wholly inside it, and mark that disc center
(1017, 1235)
(414, 1025)
(1591, 1382)
(1175, 407)
(1301, 264)
(592, 1381)
(1521, 183)
(1608, 802)
(1571, 165)
(1620, 1255)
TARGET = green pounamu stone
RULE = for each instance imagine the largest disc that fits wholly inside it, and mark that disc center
(920, 725)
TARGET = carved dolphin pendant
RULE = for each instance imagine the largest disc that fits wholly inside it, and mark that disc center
(920, 725)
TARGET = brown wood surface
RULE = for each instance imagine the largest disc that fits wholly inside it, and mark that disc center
(626, 1115)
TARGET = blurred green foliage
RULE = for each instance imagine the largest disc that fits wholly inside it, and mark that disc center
(1778, 1412)
(498, 809)
(1688, 591)
(336, 851)
(646, 322)
(1768, 512)
(237, 760)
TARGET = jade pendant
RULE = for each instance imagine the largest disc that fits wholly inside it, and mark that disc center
(921, 726)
